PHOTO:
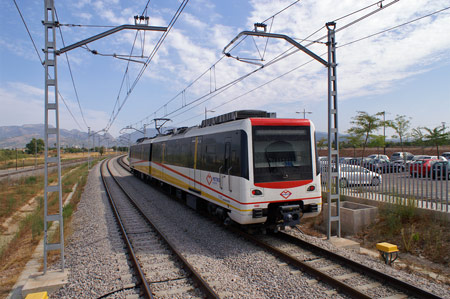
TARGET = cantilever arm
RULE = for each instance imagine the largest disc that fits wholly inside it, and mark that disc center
(282, 36)
(108, 32)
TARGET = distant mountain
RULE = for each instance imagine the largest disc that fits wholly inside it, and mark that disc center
(19, 136)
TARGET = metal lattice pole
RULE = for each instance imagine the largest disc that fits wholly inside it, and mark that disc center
(333, 137)
(51, 109)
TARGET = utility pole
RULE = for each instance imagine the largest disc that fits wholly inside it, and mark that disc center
(89, 148)
(35, 154)
(206, 112)
(384, 132)
(51, 110)
(333, 137)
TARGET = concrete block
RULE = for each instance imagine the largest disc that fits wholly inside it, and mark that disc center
(345, 243)
(354, 216)
(50, 282)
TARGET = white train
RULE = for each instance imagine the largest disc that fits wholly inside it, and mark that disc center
(246, 166)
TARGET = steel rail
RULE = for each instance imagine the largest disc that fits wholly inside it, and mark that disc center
(39, 167)
(343, 287)
(209, 292)
(146, 287)
(375, 274)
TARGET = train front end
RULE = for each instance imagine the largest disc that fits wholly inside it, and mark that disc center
(284, 174)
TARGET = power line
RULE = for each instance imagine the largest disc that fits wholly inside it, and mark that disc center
(29, 34)
(42, 63)
(393, 28)
(70, 71)
(280, 57)
(311, 60)
(155, 50)
(213, 66)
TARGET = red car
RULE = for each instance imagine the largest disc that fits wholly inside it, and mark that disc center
(422, 167)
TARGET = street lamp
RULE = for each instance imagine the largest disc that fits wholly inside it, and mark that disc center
(206, 112)
(304, 112)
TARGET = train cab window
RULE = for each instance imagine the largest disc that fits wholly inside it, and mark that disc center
(282, 153)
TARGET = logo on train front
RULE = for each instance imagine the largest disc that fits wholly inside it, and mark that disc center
(209, 179)
(286, 194)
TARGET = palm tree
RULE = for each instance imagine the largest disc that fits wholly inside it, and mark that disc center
(437, 136)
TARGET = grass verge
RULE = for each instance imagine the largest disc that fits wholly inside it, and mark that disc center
(14, 258)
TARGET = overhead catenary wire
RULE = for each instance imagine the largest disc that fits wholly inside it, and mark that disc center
(29, 34)
(304, 64)
(213, 65)
(153, 53)
(71, 74)
(42, 63)
(280, 57)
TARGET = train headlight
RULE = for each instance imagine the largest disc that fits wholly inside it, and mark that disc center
(311, 188)
(256, 192)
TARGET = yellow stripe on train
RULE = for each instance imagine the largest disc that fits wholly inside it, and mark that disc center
(181, 184)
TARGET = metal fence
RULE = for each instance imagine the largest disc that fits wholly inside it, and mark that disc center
(423, 184)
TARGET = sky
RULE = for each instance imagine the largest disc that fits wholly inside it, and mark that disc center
(403, 71)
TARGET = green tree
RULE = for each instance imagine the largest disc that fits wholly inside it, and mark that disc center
(376, 141)
(437, 136)
(322, 142)
(101, 150)
(35, 145)
(401, 126)
(364, 125)
(419, 137)
(354, 141)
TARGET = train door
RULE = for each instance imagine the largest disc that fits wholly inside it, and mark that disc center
(163, 155)
(194, 173)
(225, 171)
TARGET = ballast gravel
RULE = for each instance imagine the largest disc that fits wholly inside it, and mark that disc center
(233, 267)
(95, 254)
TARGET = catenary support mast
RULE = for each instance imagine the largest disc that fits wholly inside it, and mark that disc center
(51, 110)
(333, 137)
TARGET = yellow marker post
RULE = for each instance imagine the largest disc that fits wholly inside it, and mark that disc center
(388, 251)
(40, 295)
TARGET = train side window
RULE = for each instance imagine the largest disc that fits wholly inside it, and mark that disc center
(227, 156)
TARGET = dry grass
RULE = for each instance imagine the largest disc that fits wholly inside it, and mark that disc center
(14, 258)
(30, 160)
(417, 234)
(15, 194)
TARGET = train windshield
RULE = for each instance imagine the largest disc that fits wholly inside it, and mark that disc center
(282, 153)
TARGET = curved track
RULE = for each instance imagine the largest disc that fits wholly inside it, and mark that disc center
(152, 254)
(323, 265)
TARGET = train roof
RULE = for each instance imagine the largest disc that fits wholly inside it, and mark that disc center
(231, 117)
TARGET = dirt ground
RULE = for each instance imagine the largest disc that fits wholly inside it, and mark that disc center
(424, 243)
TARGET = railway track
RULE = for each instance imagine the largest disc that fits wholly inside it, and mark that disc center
(160, 269)
(347, 276)
(351, 278)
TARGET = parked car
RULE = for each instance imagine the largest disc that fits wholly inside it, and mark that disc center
(357, 161)
(357, 175)
(402, 156)
(376, 165)
(422, 167)
(446, 155)
(379, 156)
(385, 166)
(440, 170)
